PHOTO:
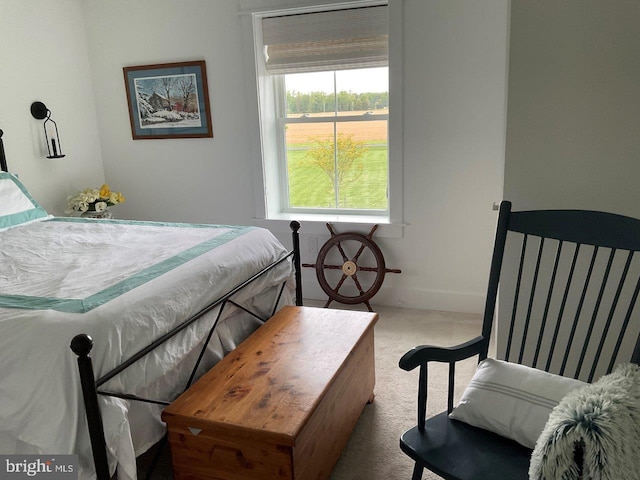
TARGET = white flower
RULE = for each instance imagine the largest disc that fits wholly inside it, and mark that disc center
(88, 195)
(100, 206)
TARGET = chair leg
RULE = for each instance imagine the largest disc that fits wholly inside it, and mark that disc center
(417, 472)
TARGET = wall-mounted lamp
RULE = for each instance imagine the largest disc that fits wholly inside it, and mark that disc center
(40, 111)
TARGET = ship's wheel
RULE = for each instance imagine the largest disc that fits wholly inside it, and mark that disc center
(340, 261)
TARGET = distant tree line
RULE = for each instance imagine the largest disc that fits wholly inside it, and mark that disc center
(318, 102)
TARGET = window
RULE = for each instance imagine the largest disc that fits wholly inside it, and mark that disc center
(324, 105)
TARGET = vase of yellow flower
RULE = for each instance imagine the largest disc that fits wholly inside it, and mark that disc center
(94, 202)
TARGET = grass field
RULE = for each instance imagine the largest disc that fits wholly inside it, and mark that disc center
(364, 188)
(310, 187)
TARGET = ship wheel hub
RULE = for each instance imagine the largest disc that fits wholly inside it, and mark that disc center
(349, 268)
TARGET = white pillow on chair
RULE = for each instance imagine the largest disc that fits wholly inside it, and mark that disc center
(512, 400)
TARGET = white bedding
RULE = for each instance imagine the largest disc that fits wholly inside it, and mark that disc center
(125, 284)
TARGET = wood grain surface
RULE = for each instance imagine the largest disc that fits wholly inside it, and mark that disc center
(282, 404)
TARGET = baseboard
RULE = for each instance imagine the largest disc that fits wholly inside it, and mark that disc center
(460, 302)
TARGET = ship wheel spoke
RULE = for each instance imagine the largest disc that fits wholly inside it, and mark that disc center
(344, 277)
(341, 250)
(354, 277)
(357, 256)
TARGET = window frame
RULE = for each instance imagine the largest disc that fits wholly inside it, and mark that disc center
(267, 199)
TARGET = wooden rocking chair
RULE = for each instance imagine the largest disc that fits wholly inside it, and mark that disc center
(572, 311)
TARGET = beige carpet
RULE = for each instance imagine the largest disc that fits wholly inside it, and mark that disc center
(373, 452)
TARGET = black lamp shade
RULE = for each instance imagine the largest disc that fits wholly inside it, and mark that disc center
(39, 110)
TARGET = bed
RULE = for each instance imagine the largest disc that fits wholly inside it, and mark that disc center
(157, 304)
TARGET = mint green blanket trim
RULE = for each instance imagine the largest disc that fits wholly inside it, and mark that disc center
(26, 216)
(25, 302)
(145, 223)
(70, 305)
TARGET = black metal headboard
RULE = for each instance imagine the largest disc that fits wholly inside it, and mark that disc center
(3, 158)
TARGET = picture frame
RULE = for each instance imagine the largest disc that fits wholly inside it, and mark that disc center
(168, 100)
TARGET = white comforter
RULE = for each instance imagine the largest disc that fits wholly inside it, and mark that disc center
(123, 283)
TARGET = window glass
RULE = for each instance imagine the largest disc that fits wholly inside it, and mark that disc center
(342, 163)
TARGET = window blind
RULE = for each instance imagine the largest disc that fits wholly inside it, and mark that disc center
(330, 40)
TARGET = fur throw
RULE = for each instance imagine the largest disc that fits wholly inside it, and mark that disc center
(603, 419)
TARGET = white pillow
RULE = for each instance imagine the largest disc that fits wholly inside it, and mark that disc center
(17, 206)
(512, 400)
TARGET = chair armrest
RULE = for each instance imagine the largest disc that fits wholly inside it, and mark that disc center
(427, 353)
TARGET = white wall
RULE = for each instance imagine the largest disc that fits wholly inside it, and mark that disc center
(454, 106)
(44, 58)
(203, 180)
(573, 117)
(454, 91)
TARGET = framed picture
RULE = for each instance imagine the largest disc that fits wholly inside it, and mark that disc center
(168, 100)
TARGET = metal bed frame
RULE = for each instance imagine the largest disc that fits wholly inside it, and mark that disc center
(82, 344)
(3, 158)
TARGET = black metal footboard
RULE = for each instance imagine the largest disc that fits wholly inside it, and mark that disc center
(82, 345)
(3, 158)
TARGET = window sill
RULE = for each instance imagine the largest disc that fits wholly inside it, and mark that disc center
(315, 224)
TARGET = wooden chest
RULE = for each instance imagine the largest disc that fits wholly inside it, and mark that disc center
(282, 404)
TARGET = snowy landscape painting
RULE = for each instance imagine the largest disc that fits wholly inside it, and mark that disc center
(168, 100)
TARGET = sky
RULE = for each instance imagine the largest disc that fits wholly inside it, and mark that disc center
(356, 81)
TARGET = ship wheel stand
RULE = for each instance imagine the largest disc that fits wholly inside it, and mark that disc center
(349, 242)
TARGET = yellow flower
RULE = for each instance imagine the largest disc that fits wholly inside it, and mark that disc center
(116, 198)
(105, 191)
